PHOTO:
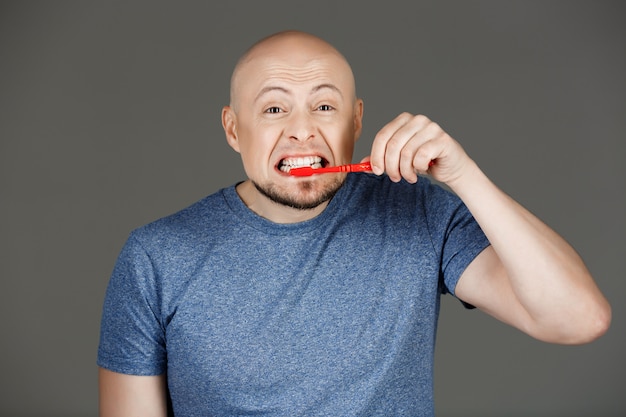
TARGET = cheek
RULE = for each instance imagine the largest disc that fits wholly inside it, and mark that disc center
(255, 150)
(254, 142)
(253, 159)
(344, 143)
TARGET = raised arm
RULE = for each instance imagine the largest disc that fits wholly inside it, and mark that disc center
(530, 277)
(131, 396)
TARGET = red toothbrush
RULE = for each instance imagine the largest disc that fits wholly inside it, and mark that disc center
(307, 171)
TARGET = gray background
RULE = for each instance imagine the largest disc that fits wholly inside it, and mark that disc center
(110, 118)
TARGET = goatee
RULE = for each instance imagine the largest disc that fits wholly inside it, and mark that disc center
(297, 201)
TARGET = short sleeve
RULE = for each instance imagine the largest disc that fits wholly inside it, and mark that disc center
(464, 241)
(132, 338)
(458, 236)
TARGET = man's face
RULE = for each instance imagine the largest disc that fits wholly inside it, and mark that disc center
(294, 104)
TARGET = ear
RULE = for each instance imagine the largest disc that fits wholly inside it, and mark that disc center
(358, 119)
(229, 123)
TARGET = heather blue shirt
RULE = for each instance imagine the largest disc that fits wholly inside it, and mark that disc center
(335, 316)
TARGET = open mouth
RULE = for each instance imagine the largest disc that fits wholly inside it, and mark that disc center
(286, 164)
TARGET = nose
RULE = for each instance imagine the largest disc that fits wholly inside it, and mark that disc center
(300, 127)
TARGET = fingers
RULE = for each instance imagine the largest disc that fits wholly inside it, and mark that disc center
(406, 146)
(379, 146)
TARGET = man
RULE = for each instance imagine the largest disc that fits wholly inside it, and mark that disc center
(319, 295)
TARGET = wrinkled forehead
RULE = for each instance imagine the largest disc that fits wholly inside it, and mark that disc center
(291, 61)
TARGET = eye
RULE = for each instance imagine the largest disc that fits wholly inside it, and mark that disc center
(273, 110)
(325, 107)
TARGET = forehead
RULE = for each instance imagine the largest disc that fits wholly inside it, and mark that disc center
(307, 73)
(293, 66)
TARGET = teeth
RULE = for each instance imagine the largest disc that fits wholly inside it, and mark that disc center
(312, 161)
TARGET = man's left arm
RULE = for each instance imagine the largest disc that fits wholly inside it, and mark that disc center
(529, 277)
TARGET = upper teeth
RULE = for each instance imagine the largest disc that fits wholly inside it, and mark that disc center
(303, 161)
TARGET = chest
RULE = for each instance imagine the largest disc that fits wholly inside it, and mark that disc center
(307, 318)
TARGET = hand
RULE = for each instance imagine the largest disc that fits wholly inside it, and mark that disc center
(406, 146)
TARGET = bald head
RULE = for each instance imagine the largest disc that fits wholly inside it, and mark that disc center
(284, 50)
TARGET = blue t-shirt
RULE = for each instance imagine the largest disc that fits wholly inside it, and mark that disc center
(334, 316)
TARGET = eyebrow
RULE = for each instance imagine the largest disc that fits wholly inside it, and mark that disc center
(323, 86)
(315, 89)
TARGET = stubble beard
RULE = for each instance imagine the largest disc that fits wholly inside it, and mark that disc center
(300, 200)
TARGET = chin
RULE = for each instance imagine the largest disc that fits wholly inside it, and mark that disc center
(308, 195)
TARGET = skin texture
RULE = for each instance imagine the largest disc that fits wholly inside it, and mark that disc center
(293, 95)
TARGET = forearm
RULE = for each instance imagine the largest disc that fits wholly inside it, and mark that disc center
(546, 275)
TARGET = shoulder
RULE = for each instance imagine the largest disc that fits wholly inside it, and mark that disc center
(194, 222)
(425, 203)
(381, 190)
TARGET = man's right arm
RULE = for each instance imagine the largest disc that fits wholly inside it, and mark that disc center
(131, 395)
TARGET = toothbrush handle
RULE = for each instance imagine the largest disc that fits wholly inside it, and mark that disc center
(365, 166)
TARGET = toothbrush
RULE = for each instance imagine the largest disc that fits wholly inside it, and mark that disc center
(307, 171)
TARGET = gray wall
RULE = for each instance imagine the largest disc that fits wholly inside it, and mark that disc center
(110, 118)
